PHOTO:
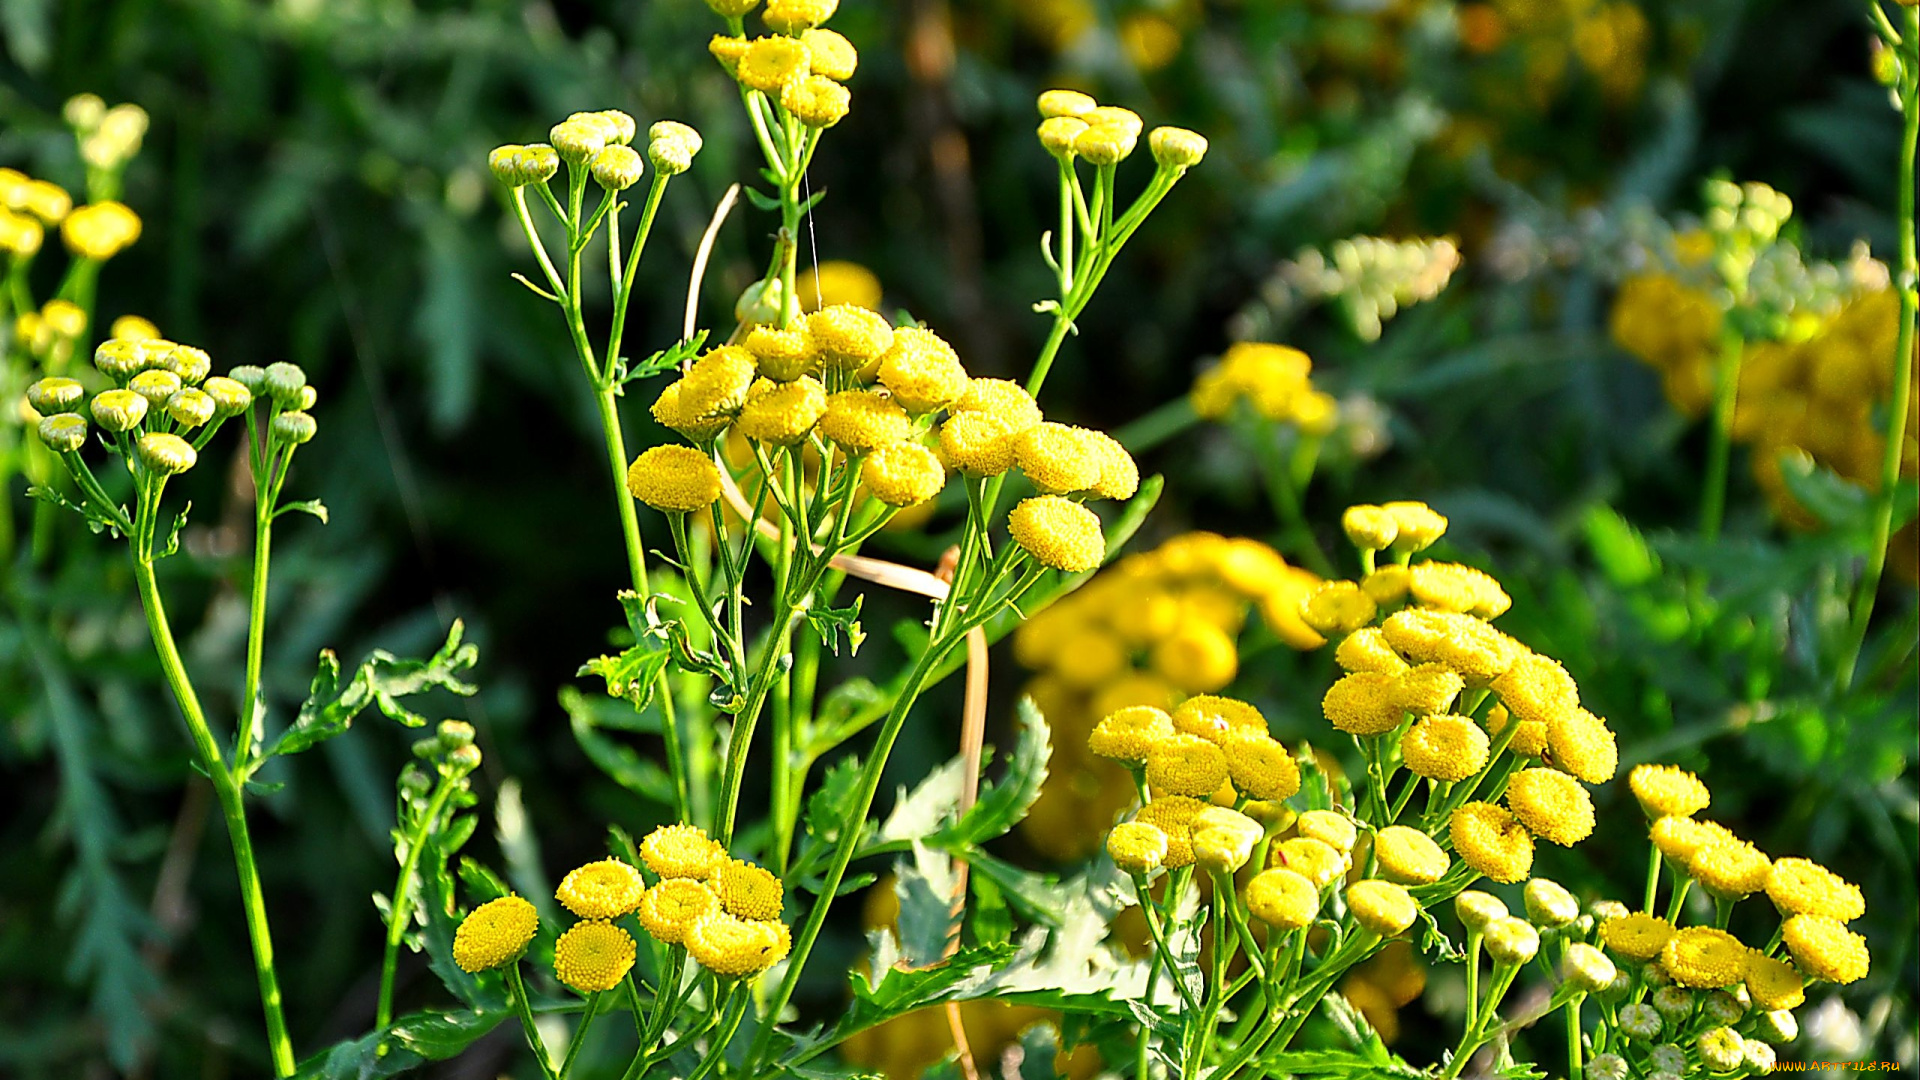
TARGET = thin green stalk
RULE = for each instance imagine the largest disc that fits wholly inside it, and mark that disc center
(226, 788)
(1726, 388)
(256, 629)
(1573, 1036)
(579, 1038)
(397, 914)
(525, 1007)
(1653, 878)
(1286, 501)
(1907, 281)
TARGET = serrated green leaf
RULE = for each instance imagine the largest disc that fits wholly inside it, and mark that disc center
(309, 506)
(382, 680)
(96, 521)
(926, 886)
(1001, 805)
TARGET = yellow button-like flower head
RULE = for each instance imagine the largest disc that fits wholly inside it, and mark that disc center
(922, 371)
(782, 413)
(1283, 899)
(1427, 689)
(1774, 984)
(1587, 967)
(1664, 791)
(1315, 860)
(1370, 528)
(1409, 856)
(1446, 748)
(1260, 767)
(1173, 815)
(1211, 717)
(1058, 133)
(1680, 838)
(1366, 649)
(1196, 657)
(682, 851)
(1186, 765)
(1362, 703)
(671, 145)
(1119, 474)
(1511, 941)
(1825, 949)
(1177, 148)
(667, 409)
(1704, 958)
(1552, 805)
(1338, 607)
(1731, 870)
(1058, 533)
(100, 231)
(1804, 887)
(1491, 841)
(1003, 398)
(593, 956)
(977, 443)
(1637, 936)
(1387, 584)
(1382, 907)
(55, 394)
(1582, 744)
(733, 947)
(1536, 687)
(768, 64)
(1137, 847)
(1059, 458)
(793, 16)
(494, 933)
(816, 101)
(1129, 735)
(676, 479)
(1105, 144)
(1549, 904)
(63, 433)
(671, 908)
(849, 337)
(1416, 525)
(782, 355)
(830, 54)
(606, 889)
(718, 382)
(165, 454)
(1453, 587)
(903, 474)
(1064, 103)
(1330, 827)
(747, 891)
(1466, 644)
(1477, 910)
(859, 421)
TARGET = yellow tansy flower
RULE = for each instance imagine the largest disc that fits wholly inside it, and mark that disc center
(1552, 805)
(494, 933)
(749, 892)
(1409, 856)
(669, 909)
(1381, 906)
(606, 889)
(1260, 767)
(1666, 791)
(1173, 815)
(1825, 949)
(1283, 899)
(1426, 689)
(903, 474)
(1137, 847)
(1637, 936)
(1804, 887)
(1129, 735)
(1730, 870)
(1362, 703)
(1774, 984)
(1491, 841)
(1211, 717)
(1186, 765)
(682, 851)
(1338, 607)
(1447, 748)
(1058, 533)
(1582, 744)
(862, 420)
(1312, 859)
(1454, 587)
(1366, 649)
(592, 957)
(1704, 958)
(676, 479)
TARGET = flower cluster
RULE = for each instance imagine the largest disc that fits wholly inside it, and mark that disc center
(1272, 380)
(800, 67)
(28, 207)
(1369, 279)
(1149, 630)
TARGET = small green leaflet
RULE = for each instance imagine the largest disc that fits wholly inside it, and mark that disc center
(382, 680)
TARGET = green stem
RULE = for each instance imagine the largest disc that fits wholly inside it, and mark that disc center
(397, 910)
(580, 1034)
(1726, 389)
(1653, 878)
(1573, 1036)
(525, 1008)
(1907, 281)
(228, 790)
(250, 706)
(1286, 501)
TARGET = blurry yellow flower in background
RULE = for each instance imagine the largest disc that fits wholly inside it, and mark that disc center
(837, 281)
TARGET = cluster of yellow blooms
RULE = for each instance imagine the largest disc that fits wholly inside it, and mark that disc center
(724, 912)
(1149, 630)
(1700, 988)
(1272, 380)
(897, 402)
(29, 207)
(1815, 392)
(801, 66)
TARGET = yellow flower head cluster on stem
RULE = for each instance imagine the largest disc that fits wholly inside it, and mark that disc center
(781, 355)
(671, 908)
(1582, 744)
(922, 371)
(1058, 533)
(1331, 828)
(735, 947)
(1730, 870)
(494, 933)
(606, 889)
(1337, 608)
(847, 337)
(593, 956)
(1283, 899)
(1409, 856)
(1804, 887)
(1445, 748)
(1825, 949)
(1271, 379)
(1468, 645)
(682, 851)
(1185, 765)
(1774, 984)
(1366, 649)
(747, 891)
(1704, 958)
(1492, 841)
(675, 479)
(100, 231)
(1453, 587)
(1552, 805)
(859, 421)
(1427, 689)
(1667, 791)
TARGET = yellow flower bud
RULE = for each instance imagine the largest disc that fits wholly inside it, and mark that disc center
(830, 54)
(732, 9)
(1196, 657)
(191, 364)
(1366, 649)
(63, 433)
(118, 410)
(191, 408)
(1177, 148)
(165, 454)
(1283, 899)
(1466, 644)
(1774, 984)
(617, 167)
(1417, 525)
(1382, 907)
(1115, 117)
(1119, 474)
(1330, 827)
(816, 101)
(1511, 942)
(1477, 910)
(1173, 815)
(782, 355)
(1409, 856)
(675, 479)
(1220, 850)
(100, 231)
(1370, 528)
(494, 934)
(1136, 847)
(1549, 904)
(793, 16)
(1387, 585)
(55, 394)
(1312, 859)
(1582, 744)
(718, 382)
(1338, 607)
(671, 147)
(1664, 790)
(1054, 103)
(579, 137)
(1212, 717)
(1057, 134)
(1058, 533)
(45, 200)
(155, 385)
(1106, 144)
(294, 428)
(903, 474)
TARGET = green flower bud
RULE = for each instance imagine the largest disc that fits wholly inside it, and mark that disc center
(1641, 1020)
(1778, 1026)
(252, 378)
(1602, 910)
(426, 748)
(284, 381)
(308, 397)
(64, 432)
(1760, 1057)
(119, 360)
(1107, 144)
(230, 396)
(166, 454)
(1723, 1008)
(761, 302)
(119, 410)
(1606, 1067)
(509, 165)
(732, 9)
(415, 782)
(542, 161)
(464, 759)
(154, 352)
(1058, 132)
(1177, 148)
(1673, 1002)
(1477, 909)
(455, 734)
(83, 112)
(55, 394)
(1666, 1058)
(671, 147)
(155, 385)
(189, 363)
(579, 137)
(1722, 1050)
(294, 427)
(1587, 967)
(620, 124)
(617, 168)
(1512, 942)
(1549, 905)
(191, 407)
